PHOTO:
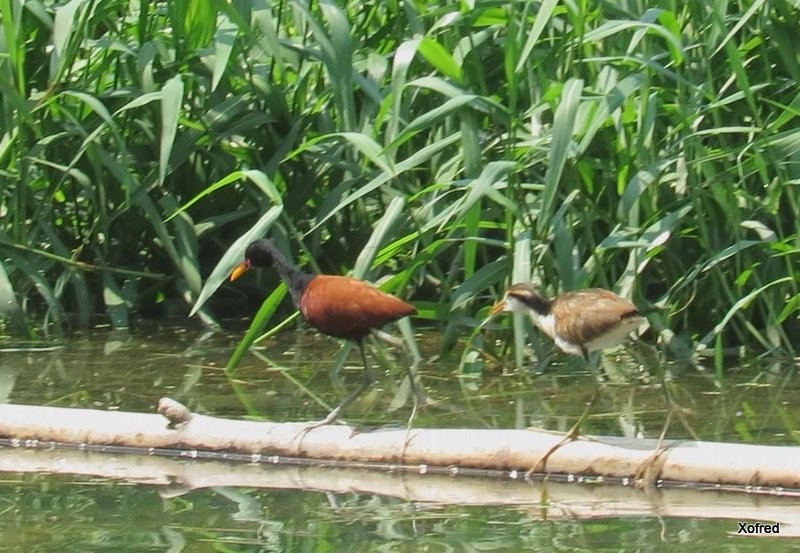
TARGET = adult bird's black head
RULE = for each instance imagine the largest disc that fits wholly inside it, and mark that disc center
(260, 253)
(263, 253)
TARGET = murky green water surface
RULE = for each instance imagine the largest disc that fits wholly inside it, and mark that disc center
(131, 370)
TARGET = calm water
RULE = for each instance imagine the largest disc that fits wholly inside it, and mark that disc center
(132, 370)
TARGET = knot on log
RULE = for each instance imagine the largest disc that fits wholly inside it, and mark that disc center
(175, 411)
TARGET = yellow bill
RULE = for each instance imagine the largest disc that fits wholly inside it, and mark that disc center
(497, 308)
(240, 269)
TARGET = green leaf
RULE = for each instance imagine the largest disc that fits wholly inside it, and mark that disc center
(171, 102)
(259, 178)
(256, 327)
(563, 130)
(440, 58)
(116, 306)
(10, 310)
(223, 46)
(543, 16)
(378, 237)
(234, 256)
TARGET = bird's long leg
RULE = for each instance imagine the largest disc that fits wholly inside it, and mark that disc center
(417, 393)
(571, 435)
(649, 471)
(411, 370)
(413, 380)
(365, 384)
(574, 432)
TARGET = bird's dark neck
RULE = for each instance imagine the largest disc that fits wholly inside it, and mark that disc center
(539, 304)
(296, 280)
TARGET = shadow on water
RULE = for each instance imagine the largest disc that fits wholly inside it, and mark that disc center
(291, 379)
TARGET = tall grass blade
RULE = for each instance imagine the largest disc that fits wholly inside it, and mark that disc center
(223, 47)
(378, 237)
(233, 256)
(257, 326)
(543, 16)
(171, 102)
(10, 310)
(563, 129)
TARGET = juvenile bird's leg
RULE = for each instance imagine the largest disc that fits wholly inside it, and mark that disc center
(570, 436)
(649, 471)
(592, 362)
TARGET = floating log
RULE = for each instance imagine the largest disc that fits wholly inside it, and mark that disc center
(508, 454)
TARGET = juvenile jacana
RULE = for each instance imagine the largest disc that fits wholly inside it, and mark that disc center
(339, 306)
(579, 322)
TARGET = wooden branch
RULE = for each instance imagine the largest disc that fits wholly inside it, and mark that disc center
(511, 452)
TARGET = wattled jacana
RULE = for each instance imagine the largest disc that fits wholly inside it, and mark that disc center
(339, 306)
(579, 322)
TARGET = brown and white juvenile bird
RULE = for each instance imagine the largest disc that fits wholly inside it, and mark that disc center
(579, 322)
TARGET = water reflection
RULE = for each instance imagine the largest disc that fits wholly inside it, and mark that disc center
(52, 513)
